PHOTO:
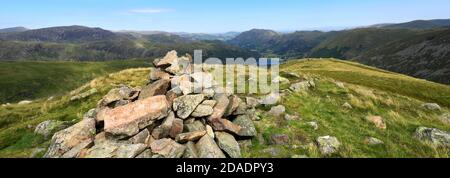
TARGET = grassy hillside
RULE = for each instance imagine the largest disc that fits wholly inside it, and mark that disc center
(29, 80)
(397, 98)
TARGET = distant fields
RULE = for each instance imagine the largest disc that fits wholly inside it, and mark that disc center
(28, 80)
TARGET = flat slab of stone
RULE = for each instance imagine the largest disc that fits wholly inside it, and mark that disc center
(129, 119)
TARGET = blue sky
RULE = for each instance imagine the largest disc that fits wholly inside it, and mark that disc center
(216, 15)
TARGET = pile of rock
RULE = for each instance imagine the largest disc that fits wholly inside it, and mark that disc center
(180, 113)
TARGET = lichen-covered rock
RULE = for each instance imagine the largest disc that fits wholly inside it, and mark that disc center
(434, 136)
(185, 105)
(64, 140)
(168, 148)
(202, 110)
(207, 148)
(111, 149)
(328, 145)
(47, 128)
(191, 150)
(228, 144)
(247, 127)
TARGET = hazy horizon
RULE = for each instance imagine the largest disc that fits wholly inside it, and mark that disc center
(201, 16)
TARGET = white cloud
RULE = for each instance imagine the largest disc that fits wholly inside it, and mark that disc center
(150, 11)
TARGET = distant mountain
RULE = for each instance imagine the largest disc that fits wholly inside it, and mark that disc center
(349, 44)
(421, 24)
(425, 55)
(285, 45)
(209, 36)
(13, 29)
(95, 44)
(62, 34)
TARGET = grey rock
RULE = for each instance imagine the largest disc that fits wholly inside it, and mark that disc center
(432, 106)
(47, 128)
(159, 87)
(247, 127)
(64, 140)
(207, 148)
(434, 136)
(228, 144)
(277, 110)
(373, 141)
(202, 111)
(195, 126)
(145, 154)
(185, 105)
(328, 145)
(168, 148)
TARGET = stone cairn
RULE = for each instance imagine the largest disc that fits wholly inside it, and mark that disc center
(171, 117)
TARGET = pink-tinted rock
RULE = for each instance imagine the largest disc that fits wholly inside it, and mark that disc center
(129, 119)
(177, 128)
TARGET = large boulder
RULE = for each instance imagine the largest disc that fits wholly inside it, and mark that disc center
(228, 144)
(207, 148)
(328, 145)
(156, 88)
(64, 140)
(168, 148)
(129, 119)
(185, 105)
(434, 136)
(47, 128)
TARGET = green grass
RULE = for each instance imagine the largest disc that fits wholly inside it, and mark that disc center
(371, 91)
(358, 74)
(29, 80)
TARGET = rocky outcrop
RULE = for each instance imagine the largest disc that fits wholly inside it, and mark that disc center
(434, 136)
(171, 117)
